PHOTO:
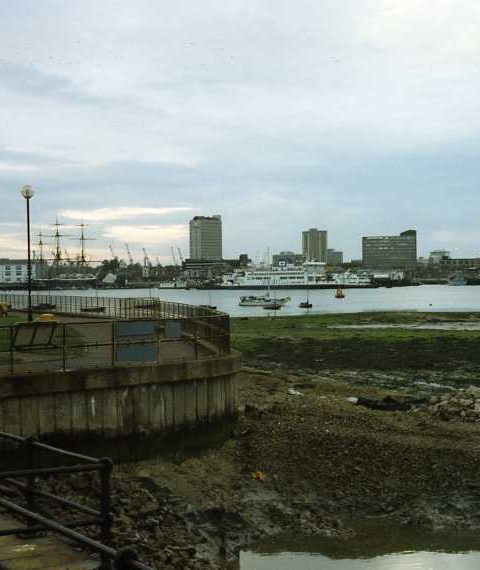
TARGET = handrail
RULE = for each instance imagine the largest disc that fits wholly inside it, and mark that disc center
(122, 307)
(79, 538)
(38, 444)
(89, 344)
(101, 517)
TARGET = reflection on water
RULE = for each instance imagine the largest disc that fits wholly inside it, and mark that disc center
(401, 561)
(374, 547)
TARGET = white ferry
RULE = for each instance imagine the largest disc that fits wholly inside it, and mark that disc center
(309, 275)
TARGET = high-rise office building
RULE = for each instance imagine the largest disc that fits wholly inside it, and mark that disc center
(314, 245)
(390, 252)
(206, 237)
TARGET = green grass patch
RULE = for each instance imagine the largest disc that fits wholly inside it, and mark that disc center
(12, 319)
(312, 339)
(246, 333)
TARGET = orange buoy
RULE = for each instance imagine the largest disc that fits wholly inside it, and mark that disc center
(339, 293)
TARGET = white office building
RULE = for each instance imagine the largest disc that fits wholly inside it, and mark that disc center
(15, 271)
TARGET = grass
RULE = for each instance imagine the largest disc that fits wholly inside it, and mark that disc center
(12, 319)
(247, 332)
(73, 341)
(311, 338)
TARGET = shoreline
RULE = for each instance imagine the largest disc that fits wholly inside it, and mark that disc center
(302, 457)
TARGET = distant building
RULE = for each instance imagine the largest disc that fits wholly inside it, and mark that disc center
(206, 238)
(465, 262)
(314, 245)
(15, 270)
(390, 252)
(242, 261)
(334, 257)
(203, 268)
(438, 256)
(287, 258)
(211, 268)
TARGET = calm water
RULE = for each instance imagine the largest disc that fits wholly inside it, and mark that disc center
(422, 298)
(374, 548)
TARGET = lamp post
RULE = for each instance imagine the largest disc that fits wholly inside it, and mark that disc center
(27, 192)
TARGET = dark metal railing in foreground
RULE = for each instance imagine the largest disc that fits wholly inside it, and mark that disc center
(26, 480)
(116, 307)
(55, 346)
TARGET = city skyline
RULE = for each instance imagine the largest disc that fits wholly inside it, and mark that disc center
(134, 118)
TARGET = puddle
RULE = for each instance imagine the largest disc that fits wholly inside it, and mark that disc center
(374, 547)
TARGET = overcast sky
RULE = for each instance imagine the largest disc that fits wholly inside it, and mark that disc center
(361, 117)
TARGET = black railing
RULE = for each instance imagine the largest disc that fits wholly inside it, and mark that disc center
(116, 307)
(52, 346)
(26, 481)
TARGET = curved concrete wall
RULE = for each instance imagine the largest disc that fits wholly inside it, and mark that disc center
(121, 401)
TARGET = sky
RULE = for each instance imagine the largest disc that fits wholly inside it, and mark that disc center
(361, 117)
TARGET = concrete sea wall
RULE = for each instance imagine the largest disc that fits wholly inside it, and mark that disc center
(123, 401)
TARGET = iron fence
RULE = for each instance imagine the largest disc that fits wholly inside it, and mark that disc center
(25, 480)
(111, 307)
(51, 346)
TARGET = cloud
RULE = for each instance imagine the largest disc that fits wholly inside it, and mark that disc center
(357, 117)
(118, 213)
(149, 235)
(461, 237)
(6, 167)
(13, 245)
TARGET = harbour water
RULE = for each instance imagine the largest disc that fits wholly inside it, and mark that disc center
(374, 547)
(419, 298)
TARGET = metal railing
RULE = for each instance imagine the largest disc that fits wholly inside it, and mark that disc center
(50, 346)
(26, 481)
(119, 308)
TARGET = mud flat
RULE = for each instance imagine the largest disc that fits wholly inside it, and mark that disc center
(304, 458)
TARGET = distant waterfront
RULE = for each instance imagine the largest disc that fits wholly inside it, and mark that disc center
(422, 298)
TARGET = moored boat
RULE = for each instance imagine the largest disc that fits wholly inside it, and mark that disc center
(274, 305)
(261, 301)
(458, 278)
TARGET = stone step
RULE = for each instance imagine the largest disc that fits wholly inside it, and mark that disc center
(37, 553)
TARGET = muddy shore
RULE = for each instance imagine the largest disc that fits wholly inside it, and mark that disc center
(303, 459)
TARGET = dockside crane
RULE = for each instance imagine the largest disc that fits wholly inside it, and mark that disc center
(180, 254)
(129, 255)
(147, 265)
(146, 259)
(175, 262)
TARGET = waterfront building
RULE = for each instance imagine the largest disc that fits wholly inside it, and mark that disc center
(390, 252)
(206, 238)
(438, 256)
(314, 245)
(334, 257)
(467, 262)
(15, 270)
(287, 258)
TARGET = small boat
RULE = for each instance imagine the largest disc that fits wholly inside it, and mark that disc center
(306, 304)
(273, 306)
(261, 301)
(44, 307)
(339, 293)
(457, 279)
